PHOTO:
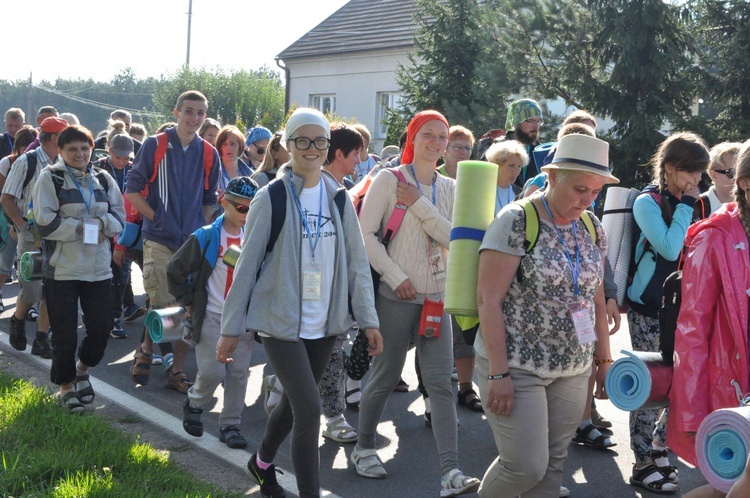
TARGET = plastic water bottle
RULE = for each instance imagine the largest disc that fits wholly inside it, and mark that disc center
(32, 224)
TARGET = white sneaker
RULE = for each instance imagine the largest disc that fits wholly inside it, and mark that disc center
(455, 483)
(564, 492)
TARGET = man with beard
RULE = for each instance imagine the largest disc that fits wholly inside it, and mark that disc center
(522, 125)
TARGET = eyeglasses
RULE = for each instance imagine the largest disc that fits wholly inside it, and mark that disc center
(261, 150)
(304, 143)
(534, 121)
(458, 148)
(728, 172)
(240, 208)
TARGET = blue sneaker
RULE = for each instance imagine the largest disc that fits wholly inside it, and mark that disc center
(118, 332)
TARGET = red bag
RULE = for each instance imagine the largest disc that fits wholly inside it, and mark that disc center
(431, 320)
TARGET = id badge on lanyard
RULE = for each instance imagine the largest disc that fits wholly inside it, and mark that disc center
(90, 231)
(437, 262)
(581, 316)
(312, 282)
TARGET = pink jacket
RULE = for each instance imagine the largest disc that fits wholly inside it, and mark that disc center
(711, 355)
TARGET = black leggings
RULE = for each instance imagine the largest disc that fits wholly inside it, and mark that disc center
(299, 367)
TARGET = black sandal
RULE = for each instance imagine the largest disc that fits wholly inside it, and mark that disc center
(86, 394)
(668, 470)
(470, 400)
(657, 486)
(231, 435)
(353, 405)
(599, 442)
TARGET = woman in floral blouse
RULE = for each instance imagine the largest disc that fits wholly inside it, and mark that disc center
(541, 313)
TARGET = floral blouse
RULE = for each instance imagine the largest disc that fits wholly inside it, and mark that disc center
(540, 335)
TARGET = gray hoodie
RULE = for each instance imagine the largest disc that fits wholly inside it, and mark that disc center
(272, 303)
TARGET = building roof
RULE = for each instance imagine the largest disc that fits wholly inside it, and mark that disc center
(359, 25)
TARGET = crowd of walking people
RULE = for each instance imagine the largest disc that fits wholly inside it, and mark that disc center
(256, 236)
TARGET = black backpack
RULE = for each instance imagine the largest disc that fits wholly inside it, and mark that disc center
(668, 314)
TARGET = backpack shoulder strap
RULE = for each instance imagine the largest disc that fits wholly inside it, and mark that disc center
(340, 199)
(277, 191)
(102, 179)
(589, 224)
(162, 142)
(394, 222)
(531, 224)
(58, 180)
(31, 162)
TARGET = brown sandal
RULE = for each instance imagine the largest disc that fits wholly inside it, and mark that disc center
(140, 370)
(179, 382)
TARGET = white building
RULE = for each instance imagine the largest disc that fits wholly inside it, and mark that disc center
(347, 64)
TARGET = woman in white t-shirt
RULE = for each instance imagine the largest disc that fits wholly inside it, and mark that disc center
(294, 295)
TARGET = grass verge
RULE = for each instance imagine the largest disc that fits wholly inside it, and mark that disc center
(46, 452)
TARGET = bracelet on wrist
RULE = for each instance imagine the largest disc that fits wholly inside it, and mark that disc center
(604, 360)
(499, 376)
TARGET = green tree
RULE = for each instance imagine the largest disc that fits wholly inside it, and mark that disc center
(441, 74)
(243, 97)
(723, 29)
(631, 63)
(647, 50)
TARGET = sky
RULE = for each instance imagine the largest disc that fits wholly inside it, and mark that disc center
(148, 36)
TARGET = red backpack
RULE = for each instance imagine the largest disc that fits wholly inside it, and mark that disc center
(161, 150)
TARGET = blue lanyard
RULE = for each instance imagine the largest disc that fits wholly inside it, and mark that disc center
(499, 201)
(114, 175)
(313, 245)
(78, 186)
(434, 202)
(575, 271)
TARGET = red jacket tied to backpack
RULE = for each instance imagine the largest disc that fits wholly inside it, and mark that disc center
(711, 358)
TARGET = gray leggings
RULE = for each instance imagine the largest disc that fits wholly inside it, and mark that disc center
(299, 366)
(399, 325)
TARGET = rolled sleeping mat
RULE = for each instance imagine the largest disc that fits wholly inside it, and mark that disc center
(31, 266)
(721, 446)
(542, 151)
(231, 255)
(617, 221)
(130, 236)
(639, 381)
(166, 325)
(473, 210)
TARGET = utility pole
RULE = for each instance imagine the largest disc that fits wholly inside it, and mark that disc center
(190, 18)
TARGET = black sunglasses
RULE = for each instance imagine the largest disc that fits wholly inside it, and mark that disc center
(261, 150)
(728, 172)
(241, 208)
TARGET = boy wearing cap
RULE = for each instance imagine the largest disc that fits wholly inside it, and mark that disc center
(200, 279)
(15, 200)
(118, 163)
(178, 202)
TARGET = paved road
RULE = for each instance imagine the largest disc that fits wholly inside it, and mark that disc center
(405, 443)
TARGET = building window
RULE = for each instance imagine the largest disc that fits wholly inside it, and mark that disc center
(386, 100)
(324, 103)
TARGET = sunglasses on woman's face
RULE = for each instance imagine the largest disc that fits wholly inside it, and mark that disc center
(261, 150)
(728, 172)
(240, 208)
